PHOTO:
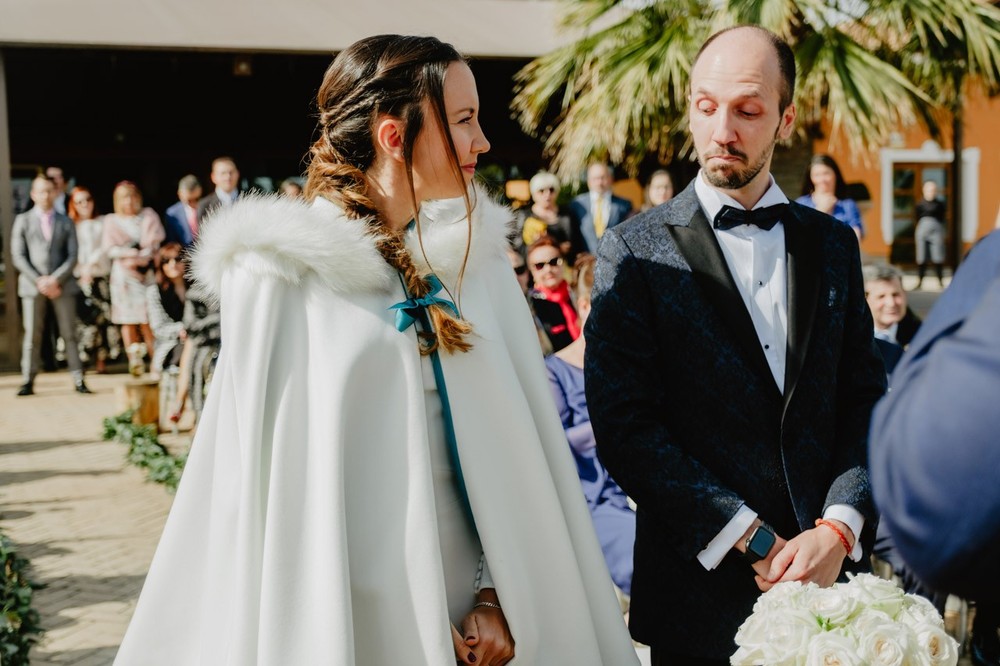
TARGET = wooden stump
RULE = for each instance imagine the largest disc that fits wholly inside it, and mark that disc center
(141, 394)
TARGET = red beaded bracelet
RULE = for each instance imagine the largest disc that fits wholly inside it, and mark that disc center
(843, 539)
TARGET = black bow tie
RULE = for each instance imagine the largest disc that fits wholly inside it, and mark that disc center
(765, 218)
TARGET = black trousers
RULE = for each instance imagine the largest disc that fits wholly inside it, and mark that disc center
(662, 658)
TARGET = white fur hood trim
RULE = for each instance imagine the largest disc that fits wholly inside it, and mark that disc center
(284, 238)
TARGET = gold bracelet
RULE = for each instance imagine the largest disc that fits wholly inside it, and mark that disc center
(488, 604)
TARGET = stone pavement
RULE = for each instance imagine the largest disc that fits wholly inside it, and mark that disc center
(86, 519)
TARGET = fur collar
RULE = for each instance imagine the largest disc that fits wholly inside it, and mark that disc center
(284, 238)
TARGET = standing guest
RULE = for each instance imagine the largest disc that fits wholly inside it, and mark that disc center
(165, 300)
(58, 178)
(731, 371)
(543, 217)
(934, 453)
(226, 178)
(613, 518)
(95, 335)
(930, 232)
(550, 297)
(597, 210)
(44, 251)
(181, 222)
(348, 499)
(659, 189)
(291, 188)
(132, 235)
(825, 190)
(521, 271)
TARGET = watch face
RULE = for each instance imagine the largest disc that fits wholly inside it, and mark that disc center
(760, 543)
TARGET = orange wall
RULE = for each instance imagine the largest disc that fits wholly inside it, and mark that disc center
(982, 130)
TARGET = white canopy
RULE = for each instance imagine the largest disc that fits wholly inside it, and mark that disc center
(495, 28)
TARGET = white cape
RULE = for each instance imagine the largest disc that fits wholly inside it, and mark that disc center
(304, 530)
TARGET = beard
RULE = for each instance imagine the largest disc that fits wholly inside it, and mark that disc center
(735, 177)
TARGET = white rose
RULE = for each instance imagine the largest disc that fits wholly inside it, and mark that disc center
(889, 644)
(935, 647)
(782, 596)
(833, 607)
(874, 592)
(775, 637)
(918, 611)
(832, 649)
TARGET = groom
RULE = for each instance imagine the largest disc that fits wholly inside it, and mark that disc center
(731, 371)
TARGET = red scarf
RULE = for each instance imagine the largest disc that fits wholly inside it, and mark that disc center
(562, 296)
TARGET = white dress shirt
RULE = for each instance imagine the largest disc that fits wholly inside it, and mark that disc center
(888, 334)
(756, 260)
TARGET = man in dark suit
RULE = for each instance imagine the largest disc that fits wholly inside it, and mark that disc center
(731, 371)
(181, 221)
(935, 446)
(596, 211)
(894, 321)
(226, 178)
(44, 251)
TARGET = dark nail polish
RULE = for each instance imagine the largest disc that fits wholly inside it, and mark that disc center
(472, 658)
(468, 638)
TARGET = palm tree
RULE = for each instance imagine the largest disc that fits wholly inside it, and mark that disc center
(868, 66)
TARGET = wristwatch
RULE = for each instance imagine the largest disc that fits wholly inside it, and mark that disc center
(759, 543)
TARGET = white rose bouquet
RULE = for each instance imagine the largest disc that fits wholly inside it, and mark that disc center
(866, 622)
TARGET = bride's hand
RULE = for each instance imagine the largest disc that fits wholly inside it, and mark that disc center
(486, 634)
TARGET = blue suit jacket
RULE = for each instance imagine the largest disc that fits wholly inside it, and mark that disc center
(935, 441)
(175, 224)
(690, 422)
(583, 235)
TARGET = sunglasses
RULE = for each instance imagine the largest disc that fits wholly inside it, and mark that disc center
(554, 261)
(520, 270)
(546, 189)
(172, 260)
(80, 202)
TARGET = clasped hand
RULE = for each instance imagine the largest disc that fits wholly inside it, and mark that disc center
(485, 639)
(816, 555)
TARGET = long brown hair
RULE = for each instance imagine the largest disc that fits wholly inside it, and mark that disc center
(390, 75)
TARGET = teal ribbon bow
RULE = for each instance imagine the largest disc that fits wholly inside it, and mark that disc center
(410, 310)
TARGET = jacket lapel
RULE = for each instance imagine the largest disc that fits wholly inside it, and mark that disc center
(696, 240)
(802, 257)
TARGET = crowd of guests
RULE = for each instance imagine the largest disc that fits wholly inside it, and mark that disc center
(116, 285)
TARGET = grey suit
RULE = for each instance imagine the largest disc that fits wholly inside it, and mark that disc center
(691, 423)
(36, 257)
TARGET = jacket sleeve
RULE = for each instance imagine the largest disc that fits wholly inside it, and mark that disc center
(934, 450)
(19, 248)
(624, 393)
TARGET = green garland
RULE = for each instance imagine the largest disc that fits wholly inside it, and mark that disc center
(19, 628)
(145, 450)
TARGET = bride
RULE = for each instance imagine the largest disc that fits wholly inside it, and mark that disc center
(379, 476)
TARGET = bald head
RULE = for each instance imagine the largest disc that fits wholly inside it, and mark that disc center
(745, 40)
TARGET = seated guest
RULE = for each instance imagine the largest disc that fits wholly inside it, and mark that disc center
(165, 305)
(203, 323)
(614, 520)
(543, 217)
(521, 272)
(894, 321)
(550, 296)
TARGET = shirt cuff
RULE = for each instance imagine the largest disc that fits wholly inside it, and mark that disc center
(853, 519)
(717, 548)
(483, 578)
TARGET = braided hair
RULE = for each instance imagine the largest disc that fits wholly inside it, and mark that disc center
(385, 75)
